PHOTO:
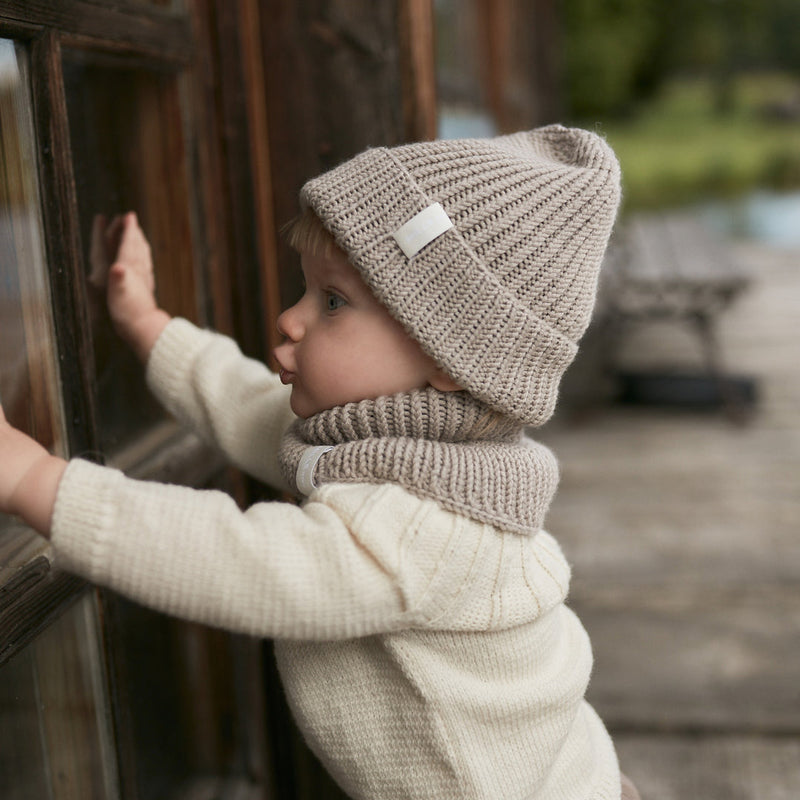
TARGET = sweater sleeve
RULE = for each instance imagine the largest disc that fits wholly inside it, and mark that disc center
(275, 570)
(232, 402)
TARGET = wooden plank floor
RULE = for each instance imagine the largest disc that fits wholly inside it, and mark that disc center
(684, 533)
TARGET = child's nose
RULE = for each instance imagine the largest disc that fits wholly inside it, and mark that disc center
(290, 323)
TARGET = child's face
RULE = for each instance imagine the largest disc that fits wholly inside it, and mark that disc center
(343, 346)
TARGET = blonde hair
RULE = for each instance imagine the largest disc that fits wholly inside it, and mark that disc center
(306, 234)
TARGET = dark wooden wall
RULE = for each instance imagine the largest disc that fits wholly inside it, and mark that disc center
(340, 76)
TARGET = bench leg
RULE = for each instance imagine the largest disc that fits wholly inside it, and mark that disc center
(734, 403)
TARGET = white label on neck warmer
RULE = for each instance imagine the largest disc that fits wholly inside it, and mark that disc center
(304, 477)
(422, 229)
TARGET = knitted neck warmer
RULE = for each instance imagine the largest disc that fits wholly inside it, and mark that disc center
(436, 445)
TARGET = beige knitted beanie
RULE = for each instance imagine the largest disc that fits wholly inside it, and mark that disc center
(486, 250)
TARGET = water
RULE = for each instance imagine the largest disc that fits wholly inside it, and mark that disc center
(465, 123)
(769, 217)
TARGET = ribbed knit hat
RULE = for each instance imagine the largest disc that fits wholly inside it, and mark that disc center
(486, 250)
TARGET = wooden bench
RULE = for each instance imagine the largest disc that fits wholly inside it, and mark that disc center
(670, 266)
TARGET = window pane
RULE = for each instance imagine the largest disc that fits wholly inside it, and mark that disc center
(28, 374)
(23, 766)
(55, 733)
(201, 690)
(27, 366)
(126, 135)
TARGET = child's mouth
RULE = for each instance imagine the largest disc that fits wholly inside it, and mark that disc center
(286, 376)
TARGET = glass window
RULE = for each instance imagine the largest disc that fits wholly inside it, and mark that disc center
(28, 367)
(52, 696)
(129, 154)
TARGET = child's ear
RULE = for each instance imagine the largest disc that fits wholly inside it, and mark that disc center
(443, 382)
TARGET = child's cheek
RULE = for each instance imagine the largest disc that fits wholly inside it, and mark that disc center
(320, 370)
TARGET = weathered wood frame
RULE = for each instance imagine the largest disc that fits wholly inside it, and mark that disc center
(187, 44)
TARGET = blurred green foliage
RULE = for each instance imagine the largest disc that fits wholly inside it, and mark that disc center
(679, 147)
(614, 54)
(620, 52)
(699, 98)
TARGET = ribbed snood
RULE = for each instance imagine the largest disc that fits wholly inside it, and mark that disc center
(444, 446)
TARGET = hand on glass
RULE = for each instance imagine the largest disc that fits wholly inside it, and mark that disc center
(121, 261)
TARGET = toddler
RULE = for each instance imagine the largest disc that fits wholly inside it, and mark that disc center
(417, 602)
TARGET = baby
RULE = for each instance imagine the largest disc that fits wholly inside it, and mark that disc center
(417, 602)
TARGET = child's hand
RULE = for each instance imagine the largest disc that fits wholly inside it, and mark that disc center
(29, 477)
(130, 281)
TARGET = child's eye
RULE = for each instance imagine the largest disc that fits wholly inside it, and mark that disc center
(333, 301)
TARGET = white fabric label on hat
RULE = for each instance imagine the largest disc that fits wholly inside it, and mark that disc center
(422, 229)
(304, 477)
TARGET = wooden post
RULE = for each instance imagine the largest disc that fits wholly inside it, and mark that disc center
(418, 65)
(266, 236)
(518, 51)
(340, 76)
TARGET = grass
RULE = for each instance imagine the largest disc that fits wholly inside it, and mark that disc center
(678, 148)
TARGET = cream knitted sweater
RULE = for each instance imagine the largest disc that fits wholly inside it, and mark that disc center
(424, 654)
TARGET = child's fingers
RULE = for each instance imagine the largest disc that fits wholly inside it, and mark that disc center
(134, 249)
(113, 235)
(131, 237)
(116, 275)
(125, 282)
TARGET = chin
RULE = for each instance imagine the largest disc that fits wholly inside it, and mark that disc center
(300, 412)
(303, 409)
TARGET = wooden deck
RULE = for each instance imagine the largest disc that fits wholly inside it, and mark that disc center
(684, 532)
